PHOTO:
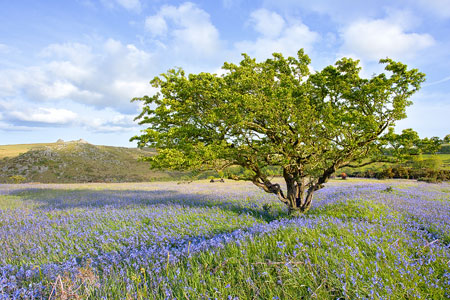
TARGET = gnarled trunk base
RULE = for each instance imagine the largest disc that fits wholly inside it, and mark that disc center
(299, 210)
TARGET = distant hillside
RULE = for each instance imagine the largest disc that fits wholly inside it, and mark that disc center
(76, 161)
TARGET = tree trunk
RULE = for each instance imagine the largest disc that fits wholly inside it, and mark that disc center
(298, 202)
(299, 194)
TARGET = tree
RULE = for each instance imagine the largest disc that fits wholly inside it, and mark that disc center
(430, 145)
(403, 145)
(446, 139)
(408, 144)
(274, 113)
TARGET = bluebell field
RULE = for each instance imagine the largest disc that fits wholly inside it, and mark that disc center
(362, 239)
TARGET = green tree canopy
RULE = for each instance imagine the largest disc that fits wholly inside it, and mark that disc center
(446, 139)
(408, 143)
(275, 113)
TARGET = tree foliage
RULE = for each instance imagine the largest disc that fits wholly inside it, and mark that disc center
(408, 143)
(275, 113)
(446, 139)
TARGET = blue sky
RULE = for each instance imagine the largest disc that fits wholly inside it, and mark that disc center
(68, 69)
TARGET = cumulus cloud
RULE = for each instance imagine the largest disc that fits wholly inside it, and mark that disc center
(75, 52)
(267, 23)
(285, 37)
(156, 25)
(25, 116)
(108, 75)
(186, 28)
(44, 115)
(109, 122)
(375, 39)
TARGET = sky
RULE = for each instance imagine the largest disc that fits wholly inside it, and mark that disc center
(68, 69)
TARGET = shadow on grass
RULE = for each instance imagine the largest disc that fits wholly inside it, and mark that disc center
(57, 199)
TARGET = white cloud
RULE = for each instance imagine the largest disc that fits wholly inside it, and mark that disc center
(375, 39)
(24, 116)
(156, 25)
(288, 41)
(44, 115)
(108, 121)
(269, 24)
(74, 52)
(8, 127)
(11, 81)
(187, 28)
(108, 75)
(69, 70)
(133, 5)
(57, 90)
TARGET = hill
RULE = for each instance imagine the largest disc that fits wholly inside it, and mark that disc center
(76, 161)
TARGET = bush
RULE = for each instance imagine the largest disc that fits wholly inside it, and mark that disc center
(386, 173)
(433, 162)
(16, 179)
(429, 179)
(401, 172)
(404, 172)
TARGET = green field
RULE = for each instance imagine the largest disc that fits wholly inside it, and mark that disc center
(444, 164)
(10, 151)
(444, 157)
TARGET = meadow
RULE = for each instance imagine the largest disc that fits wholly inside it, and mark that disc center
(363, 239)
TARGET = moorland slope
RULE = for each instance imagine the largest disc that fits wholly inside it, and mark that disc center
(76, 161)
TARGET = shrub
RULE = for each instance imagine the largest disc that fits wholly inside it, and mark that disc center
(430, 179)
(17, 179)
(385, 173)
(433, 162)
(401, 172)
(424, 174)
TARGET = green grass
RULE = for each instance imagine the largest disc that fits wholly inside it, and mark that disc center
(357, 210)
(444, 157)
(359, 242)
(11, 151)
(78, 162)
(357, 249)
(334, 260)
(10, 202)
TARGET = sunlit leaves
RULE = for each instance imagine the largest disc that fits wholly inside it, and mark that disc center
(275, 113)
